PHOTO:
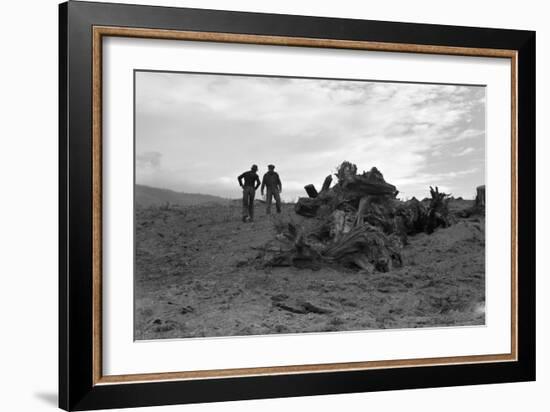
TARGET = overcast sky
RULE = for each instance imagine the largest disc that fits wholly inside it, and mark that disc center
(196, 132)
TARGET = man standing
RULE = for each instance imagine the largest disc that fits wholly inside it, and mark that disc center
(250, 184)
(272, 181)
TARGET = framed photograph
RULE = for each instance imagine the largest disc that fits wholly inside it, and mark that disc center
(256, 205)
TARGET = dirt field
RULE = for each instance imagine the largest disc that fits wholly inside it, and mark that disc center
(195, 277)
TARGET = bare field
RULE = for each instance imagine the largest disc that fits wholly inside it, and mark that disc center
(196, 277)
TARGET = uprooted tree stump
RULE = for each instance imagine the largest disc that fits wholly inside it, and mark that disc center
(364, 247)
(357, 222)
(478, 208)
(438, 211)
(368, 248)
(480, 196)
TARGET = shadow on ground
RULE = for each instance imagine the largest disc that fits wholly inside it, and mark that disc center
(49, 398)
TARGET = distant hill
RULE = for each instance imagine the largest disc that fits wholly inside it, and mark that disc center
(153, 196)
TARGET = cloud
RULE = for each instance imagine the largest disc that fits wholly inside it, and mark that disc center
(464, 152)
(198, 132)
(148, 160)
(468, 134)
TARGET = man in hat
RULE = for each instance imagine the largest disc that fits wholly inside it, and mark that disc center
(249, 181)
(272, 182)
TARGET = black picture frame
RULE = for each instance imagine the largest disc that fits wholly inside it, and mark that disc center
(77, 390)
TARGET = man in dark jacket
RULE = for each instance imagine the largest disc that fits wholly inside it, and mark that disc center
(249, 181)
(272, 182)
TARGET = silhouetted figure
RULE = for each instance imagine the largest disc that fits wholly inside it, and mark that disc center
(272, 182)
(250, 184)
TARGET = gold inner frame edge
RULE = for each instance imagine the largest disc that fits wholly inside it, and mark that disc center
(99, 32)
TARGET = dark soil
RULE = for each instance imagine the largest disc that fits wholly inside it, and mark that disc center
(196, 276)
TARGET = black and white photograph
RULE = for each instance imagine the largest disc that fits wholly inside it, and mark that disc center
(281, 205)
(215, 206)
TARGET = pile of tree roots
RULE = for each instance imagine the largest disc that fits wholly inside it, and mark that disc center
(358, 222)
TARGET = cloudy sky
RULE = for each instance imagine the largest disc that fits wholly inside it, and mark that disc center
(196, 132)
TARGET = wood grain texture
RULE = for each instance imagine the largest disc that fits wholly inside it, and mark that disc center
(514, 179)
(97, 176)
(297, 369)
(298, 42)
(100, 31)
